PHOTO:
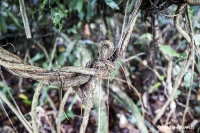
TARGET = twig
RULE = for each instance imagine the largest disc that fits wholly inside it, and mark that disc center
(8, 116)
(133, 57)
(126, 34)
(135, 89)
(124, 23)
(43, 49)
(193, 61)
(17, 107)
(34, 105)
(24, 18)
(175, 87)
(107, 101)
(61, 108)
(16, 112)
(152, 53)
(131, 86)
(183, 69)
(177, 25)
(170, 89)
(130, 105)
(150, 126)
(86, 93)
(99, 107)
(21, 78)
(52, 54)
(37, 94)
(85, 120)
(102, 119)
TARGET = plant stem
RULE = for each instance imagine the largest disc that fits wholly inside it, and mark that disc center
(25, 19)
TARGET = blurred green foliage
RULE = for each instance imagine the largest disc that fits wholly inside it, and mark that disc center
(84, 10)
(166, 49)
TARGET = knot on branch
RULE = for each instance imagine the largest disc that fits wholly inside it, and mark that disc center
(103, 64)
(66, 76)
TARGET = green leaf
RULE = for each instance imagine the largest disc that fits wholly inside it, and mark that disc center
(10, 14)
(112, 4)
(68, 114)
(60, 7)
(163, 77)
(166, 49)
(37, 57)
(27, 102)
(61, 59)
(178, 92)
(51, 87)
(3, 25)
(187, 79)
(155, 86)
(176, 69)
(43, 4)
(73, 30)
(181, 57)
(144, 39)
(79, 25)
(197, 39)
(57, 16)
(79, 5)
(41, 8)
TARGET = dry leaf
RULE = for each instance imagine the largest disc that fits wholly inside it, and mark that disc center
(87, 31)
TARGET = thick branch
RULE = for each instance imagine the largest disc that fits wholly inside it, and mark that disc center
(65, 77)
(126, 34)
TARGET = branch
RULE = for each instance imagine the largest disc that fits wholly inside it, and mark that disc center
(177, 25)
(85, 120)
(34, 106)
(72, 76)
(16, 112)
(193, 61)
(61, 108)
(124, 99)
(24, 18)
(175, 87)
(183, 69)
(126, 34)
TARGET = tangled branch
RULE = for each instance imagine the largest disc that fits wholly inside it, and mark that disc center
(84, 77)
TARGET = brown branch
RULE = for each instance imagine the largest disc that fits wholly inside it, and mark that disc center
(152, 53)
(177, 25)
(193, 62)
(175, 87)
(61, 109)
(33, 107)
(183, 69)
(24, 18)
(73, 76)
(18, 114)
(128, 29)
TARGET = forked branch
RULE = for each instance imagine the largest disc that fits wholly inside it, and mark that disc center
(75, 76)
